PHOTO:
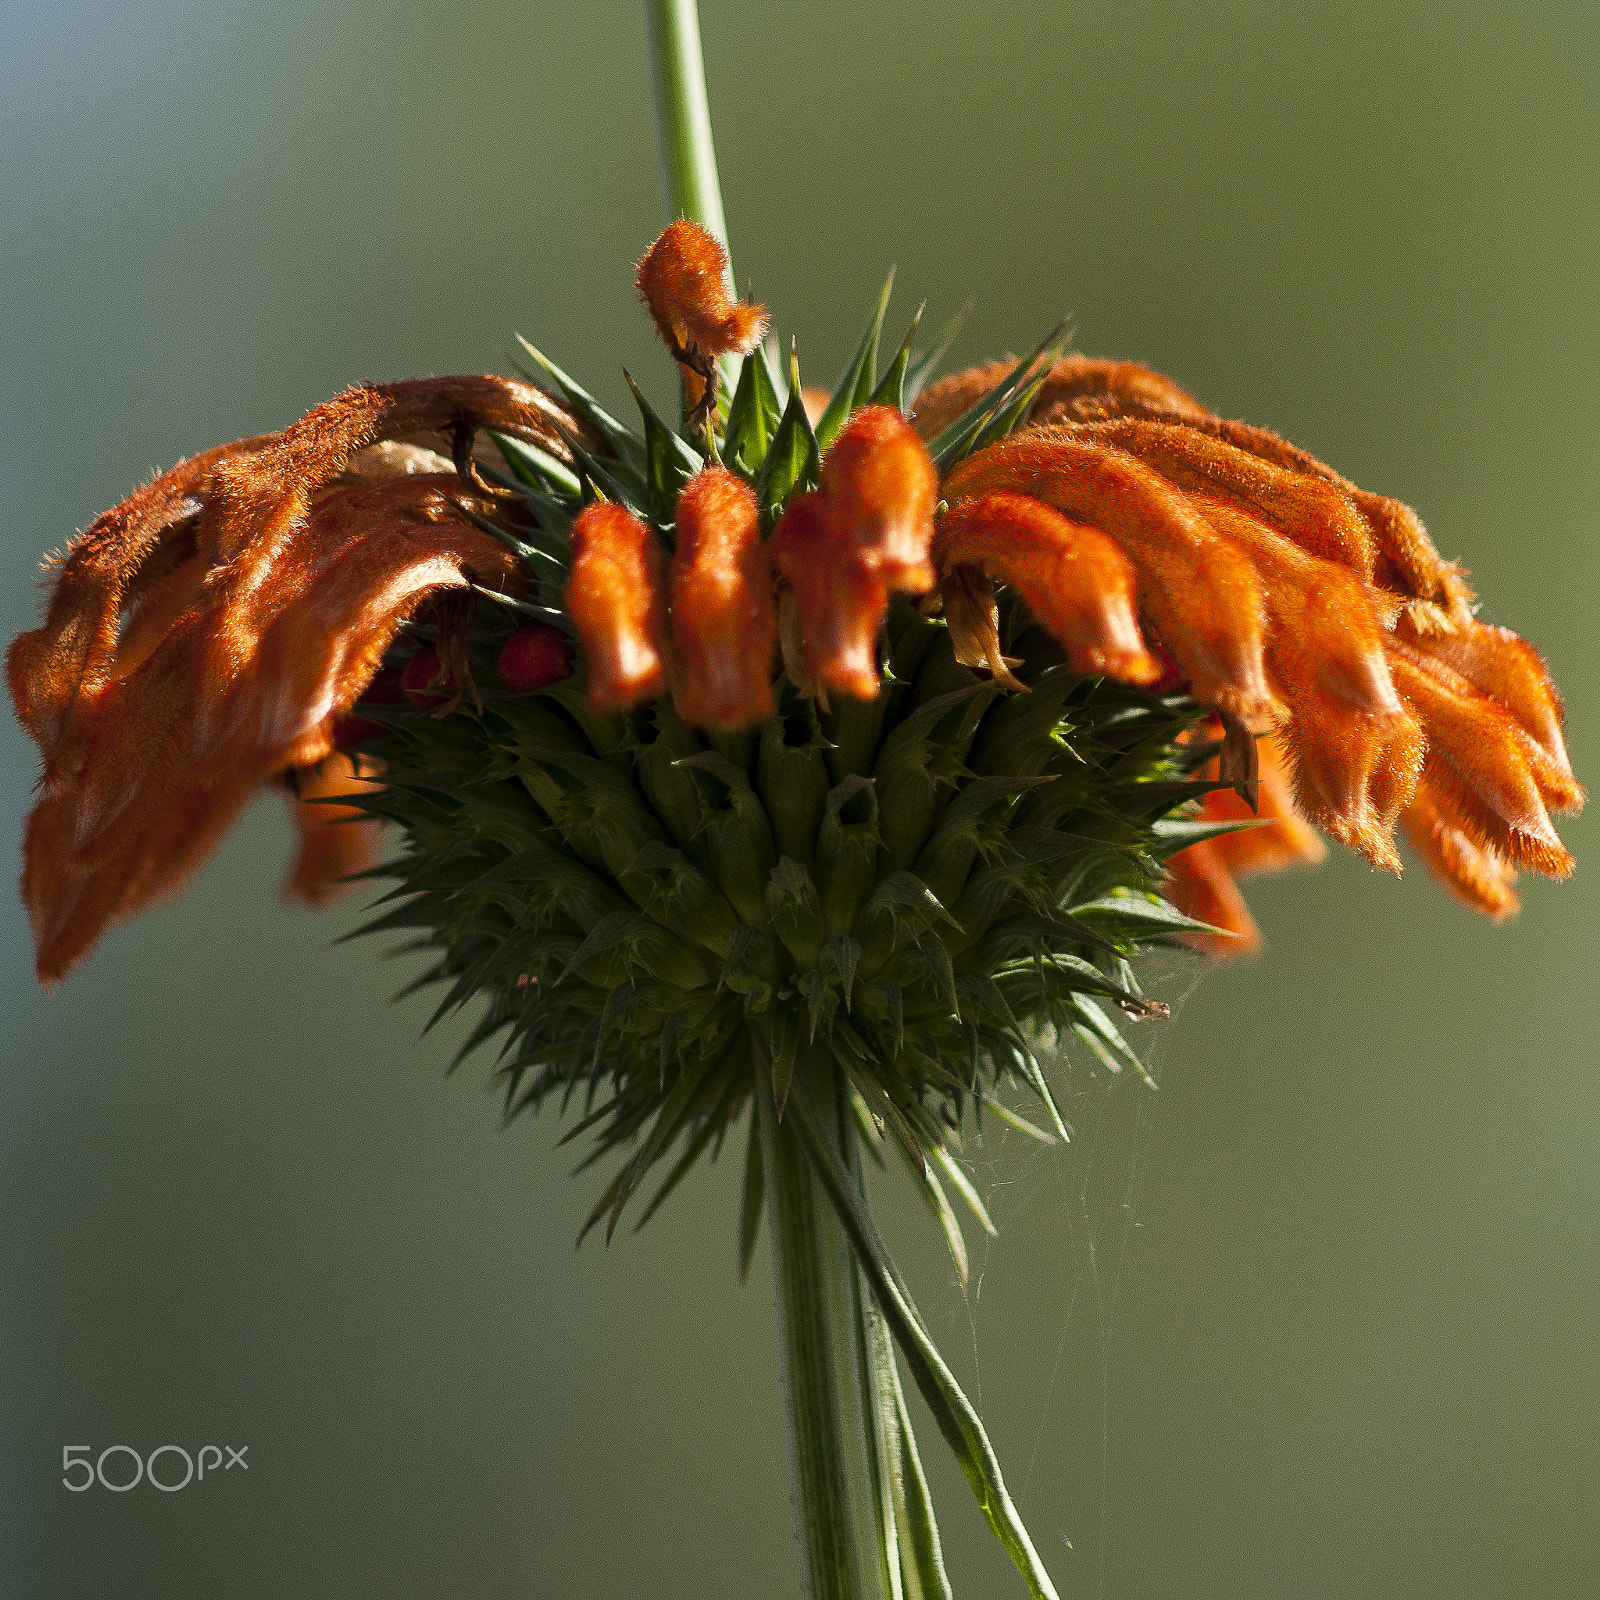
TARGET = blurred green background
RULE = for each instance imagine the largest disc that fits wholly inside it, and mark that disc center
(1338, 1331)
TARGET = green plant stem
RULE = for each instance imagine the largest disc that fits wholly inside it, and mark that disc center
(684, 150)
(826, 1357)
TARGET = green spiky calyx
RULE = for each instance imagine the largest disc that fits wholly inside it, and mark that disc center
(920, 888)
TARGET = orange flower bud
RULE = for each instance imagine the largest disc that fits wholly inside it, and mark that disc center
(683, 280)
(1075, 580)
(881, 487)
(837, 604)
(724, 625)
(616, 601)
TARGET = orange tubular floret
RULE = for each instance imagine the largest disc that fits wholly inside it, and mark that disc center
(724, 626)
(1074, 579)
(881, 486)
(1309, 510)
(683, 280)
(837, 606)
(1355, 750)
(1201, 593)
(1475, 876)
(1486, 773)
(1510, 671)
(616, 599)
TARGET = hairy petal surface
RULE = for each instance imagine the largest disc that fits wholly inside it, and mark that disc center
(724, 626)
(617, 601)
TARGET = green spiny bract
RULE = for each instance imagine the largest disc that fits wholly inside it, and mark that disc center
(921, 887)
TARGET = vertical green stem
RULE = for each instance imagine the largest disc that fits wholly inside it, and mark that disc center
(686, 156)
(830, 1387)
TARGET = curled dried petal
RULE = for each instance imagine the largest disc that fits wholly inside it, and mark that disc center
(616, 599)
(973, 618)
(834, 604)
(724, 626)
(162, 748)
(1074, 578)
(881, 486)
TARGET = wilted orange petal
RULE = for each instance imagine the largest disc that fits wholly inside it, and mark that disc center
(683, 279)
(133, 797)
(1074, 579)
(1475, 876)
(1200, 591)
(78, 640)
(371, 555)
(1510, 671)
(332, 841)
(616, 601)
(837, 605)
(1489, 769)
(724, 625)
(881, 487)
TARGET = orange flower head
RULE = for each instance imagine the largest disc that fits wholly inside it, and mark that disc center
(1285, 596)
(211, 634)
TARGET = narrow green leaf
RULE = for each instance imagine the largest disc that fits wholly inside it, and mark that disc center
(753, 416)
(535, 467)
(793, 459)
(856, 383)
(892, 390)
(962, 1184)
(624, 441)
(960, 438)
(922, 369)
(957, 1420)
(669, 460)
(933, 1195)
